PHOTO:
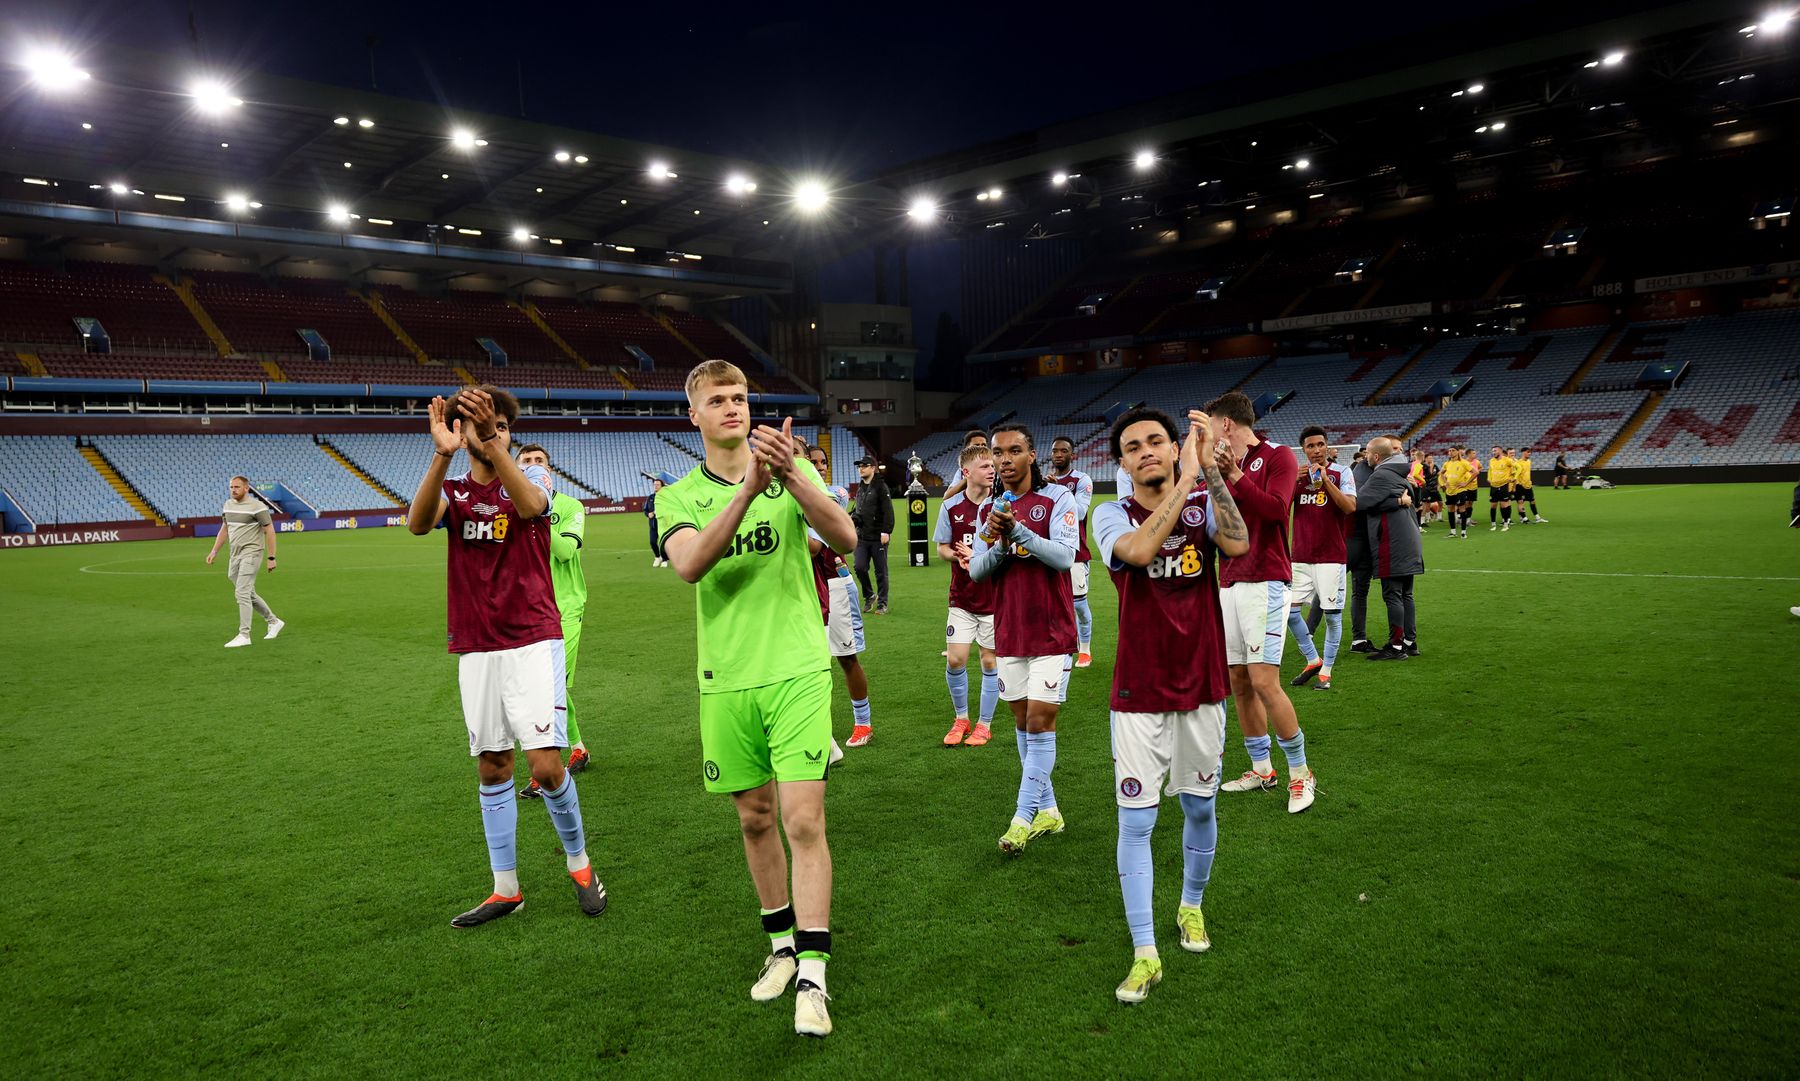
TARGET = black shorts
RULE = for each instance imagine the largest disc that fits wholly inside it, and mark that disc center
(1431, 496)
(1523, 495)
(1500, 494)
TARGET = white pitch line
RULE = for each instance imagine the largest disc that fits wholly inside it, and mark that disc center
(1616, 574)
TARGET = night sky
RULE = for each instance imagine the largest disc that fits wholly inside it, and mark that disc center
(842, 89)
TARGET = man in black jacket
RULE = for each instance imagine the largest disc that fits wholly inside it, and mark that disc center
(1384, 502)
(874, 514)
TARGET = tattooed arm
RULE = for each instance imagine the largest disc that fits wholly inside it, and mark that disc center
(1230, 533)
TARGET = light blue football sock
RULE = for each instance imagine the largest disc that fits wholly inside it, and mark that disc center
(1137, 874)
(958, 681)
(1258, 748)
(500, 821)
(1295, 750)
(1084, 620)
(859, 707)
(565, 814)
(990, 693)
(1034, 780)
(1334, 633)
(1199, 841)
(1302, 636)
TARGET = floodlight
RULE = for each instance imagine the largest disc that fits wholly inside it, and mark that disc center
(213, 97)
(811, 196)
(54, 71)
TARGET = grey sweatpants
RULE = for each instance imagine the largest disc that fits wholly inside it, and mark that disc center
(242, 568)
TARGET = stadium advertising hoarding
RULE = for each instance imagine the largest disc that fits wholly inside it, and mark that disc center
(44, 538)
(1362, 315)
(1718, 277)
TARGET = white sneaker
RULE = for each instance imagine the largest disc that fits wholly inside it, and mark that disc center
(1796, 611)
(837, 753)
(1251, 781)
(1492, 527)
(240, 640)
(811, 1018)
(276, 626)
(655, 562)
(1507, 528)
(777, 972)
(1544, 521)
(1301, 791)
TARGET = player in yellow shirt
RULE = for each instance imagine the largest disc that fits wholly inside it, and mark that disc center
(1522, 493)
(1500, 484)
(1459, 488)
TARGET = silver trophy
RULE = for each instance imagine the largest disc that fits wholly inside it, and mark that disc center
(915, 466)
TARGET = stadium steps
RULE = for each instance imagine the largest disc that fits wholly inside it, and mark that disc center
(274, 371)
(373, 300)
(1411, 363)
(679, 447)
(33, 363)
(1024, 315)
(1240, 384)
(656, 313)
(127, 491)
(1602, 350)
(537, 319)
(619, 374)
(1500, 281)
(592, 492)
(1637, 421)
(358, 472)
(184, 289)
(465, 375)
(1111, 388)
(1419, 425)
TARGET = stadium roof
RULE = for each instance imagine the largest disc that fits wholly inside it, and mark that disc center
(299, 149)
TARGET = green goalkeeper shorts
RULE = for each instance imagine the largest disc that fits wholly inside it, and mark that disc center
(780, 731)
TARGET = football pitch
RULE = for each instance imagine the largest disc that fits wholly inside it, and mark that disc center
(1561, 843)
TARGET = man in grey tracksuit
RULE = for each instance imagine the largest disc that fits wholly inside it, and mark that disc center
(250, 531)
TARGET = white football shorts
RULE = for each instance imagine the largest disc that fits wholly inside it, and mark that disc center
(1185, 749)
(517, 695)
(1037, 679)
(1255, 621)
(1318, 583)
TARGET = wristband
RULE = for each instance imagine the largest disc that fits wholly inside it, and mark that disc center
(443, 453)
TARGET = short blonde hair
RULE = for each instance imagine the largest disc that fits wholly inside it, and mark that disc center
(972, 453)
(709, 373)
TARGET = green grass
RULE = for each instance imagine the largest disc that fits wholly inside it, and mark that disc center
(1564, 842)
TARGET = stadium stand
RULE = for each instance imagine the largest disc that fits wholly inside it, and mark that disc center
(446, 327)
(209, 366)
(261, 317)
(601, 331)
(138, 312)
(1739, 402)
(47, 476)
(352, 370)
(186, 475)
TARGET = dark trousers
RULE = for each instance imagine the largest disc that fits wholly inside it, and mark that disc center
(875, 551)
(655, 541)
(1359, 604)
(1397, 593)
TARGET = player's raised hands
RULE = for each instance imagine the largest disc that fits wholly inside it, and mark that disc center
(963, 554)
(1000, 520)
(477, 406)
(1197, 449)
(446, 438)
(776, 447)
